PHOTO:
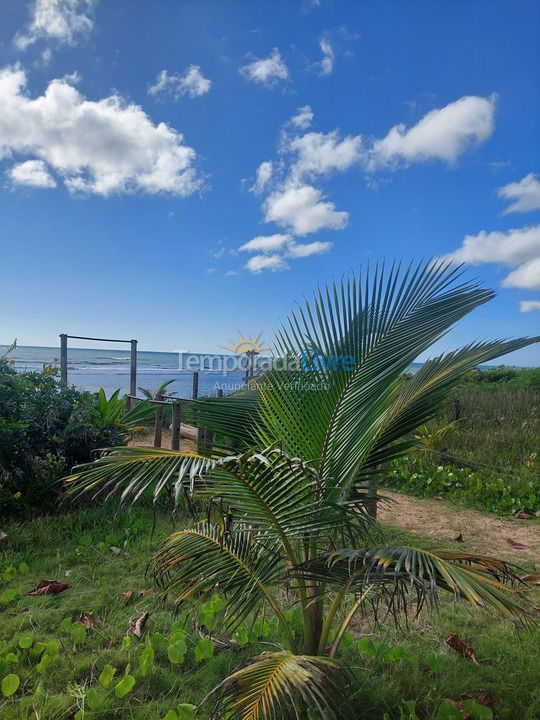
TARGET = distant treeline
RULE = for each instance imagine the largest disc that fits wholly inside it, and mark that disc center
(520, 377)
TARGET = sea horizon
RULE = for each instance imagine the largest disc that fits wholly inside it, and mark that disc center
(91, 369)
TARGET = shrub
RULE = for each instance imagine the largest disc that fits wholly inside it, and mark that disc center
(45, 429)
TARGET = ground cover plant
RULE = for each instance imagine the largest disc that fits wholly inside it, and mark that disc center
(393, 669)
(482, 447)
(287, 512)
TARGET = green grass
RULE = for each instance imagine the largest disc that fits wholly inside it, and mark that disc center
(48, 546)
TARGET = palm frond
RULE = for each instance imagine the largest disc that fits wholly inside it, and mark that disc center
(416, 401)
(241, 564)
(336, 412)
(130, 471)
(280, 685)
(395, 572)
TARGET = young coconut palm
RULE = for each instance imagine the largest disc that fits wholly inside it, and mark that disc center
(289, 507)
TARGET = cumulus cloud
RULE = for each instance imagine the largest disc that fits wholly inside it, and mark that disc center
(63, 21)
(273, 263)
(192, 83)
(510, 247)
(442, 134)
(301, 250)
(266, 71)
(526, 276)
(302, 119)
(519, 248)
(524, 195)
(327, 62)
(303, 210)
(273, 250)
(324, 153)
(305, 158)
(266, 243)
(529, 305)
(264, 175)
(33, 173)
(103, 147)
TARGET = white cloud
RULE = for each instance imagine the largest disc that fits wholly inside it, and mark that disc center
(529, 305)
(266, 243)
(192, 83)
(258, 263)
(63, 21)
(524, 195)
(103, 147)
(266, 71)
(442, 134)
(327, 62)
(300, 250)
(526, 276)
(264, 175)
(231, 273)
(302, 119)
(517, 247)
(324, 153)
(302, 210)
(33, 173)
(507, 248)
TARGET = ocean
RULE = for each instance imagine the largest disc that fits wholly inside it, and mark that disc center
(92, 369)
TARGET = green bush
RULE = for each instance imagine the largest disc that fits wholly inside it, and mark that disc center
(481, 488)
(45, 429)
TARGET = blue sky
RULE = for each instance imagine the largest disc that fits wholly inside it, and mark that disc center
(384, 129)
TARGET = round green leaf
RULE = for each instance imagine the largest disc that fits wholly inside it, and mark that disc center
(107, 675)
(94, 699)
(125, 686)
(171, 715)
(10, 684)
(204, 649)
(186, 711)
(25, 642)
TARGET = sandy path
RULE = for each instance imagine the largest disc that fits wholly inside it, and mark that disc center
(481, 532)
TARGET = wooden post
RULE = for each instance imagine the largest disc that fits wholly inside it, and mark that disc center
(205, 440)
(175, 426)
(159, 423)
(133, 374)
(63, 358)
(371, 504)
(195, 393)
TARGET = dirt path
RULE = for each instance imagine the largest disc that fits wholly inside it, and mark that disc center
(481, 532)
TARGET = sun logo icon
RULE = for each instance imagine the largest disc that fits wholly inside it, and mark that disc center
(245, 344)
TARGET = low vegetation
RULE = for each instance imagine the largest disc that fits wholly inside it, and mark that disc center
(392, 669)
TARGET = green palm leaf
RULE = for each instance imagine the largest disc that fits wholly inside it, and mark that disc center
(395, 572)
(242, 564)
(279, 685)
(131, 471)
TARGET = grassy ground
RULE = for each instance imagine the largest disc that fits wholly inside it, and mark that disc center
(75, 549)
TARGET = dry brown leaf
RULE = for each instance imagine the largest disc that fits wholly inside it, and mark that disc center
(49, 587)
(127, 596)
(115, 550)
(516, 545)
(146, 592)
(87, 619)
(482, 697)
(3, 535)
(461, 647)
(531, 579)
(459, 538)
(137, 628)
(522, 515)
